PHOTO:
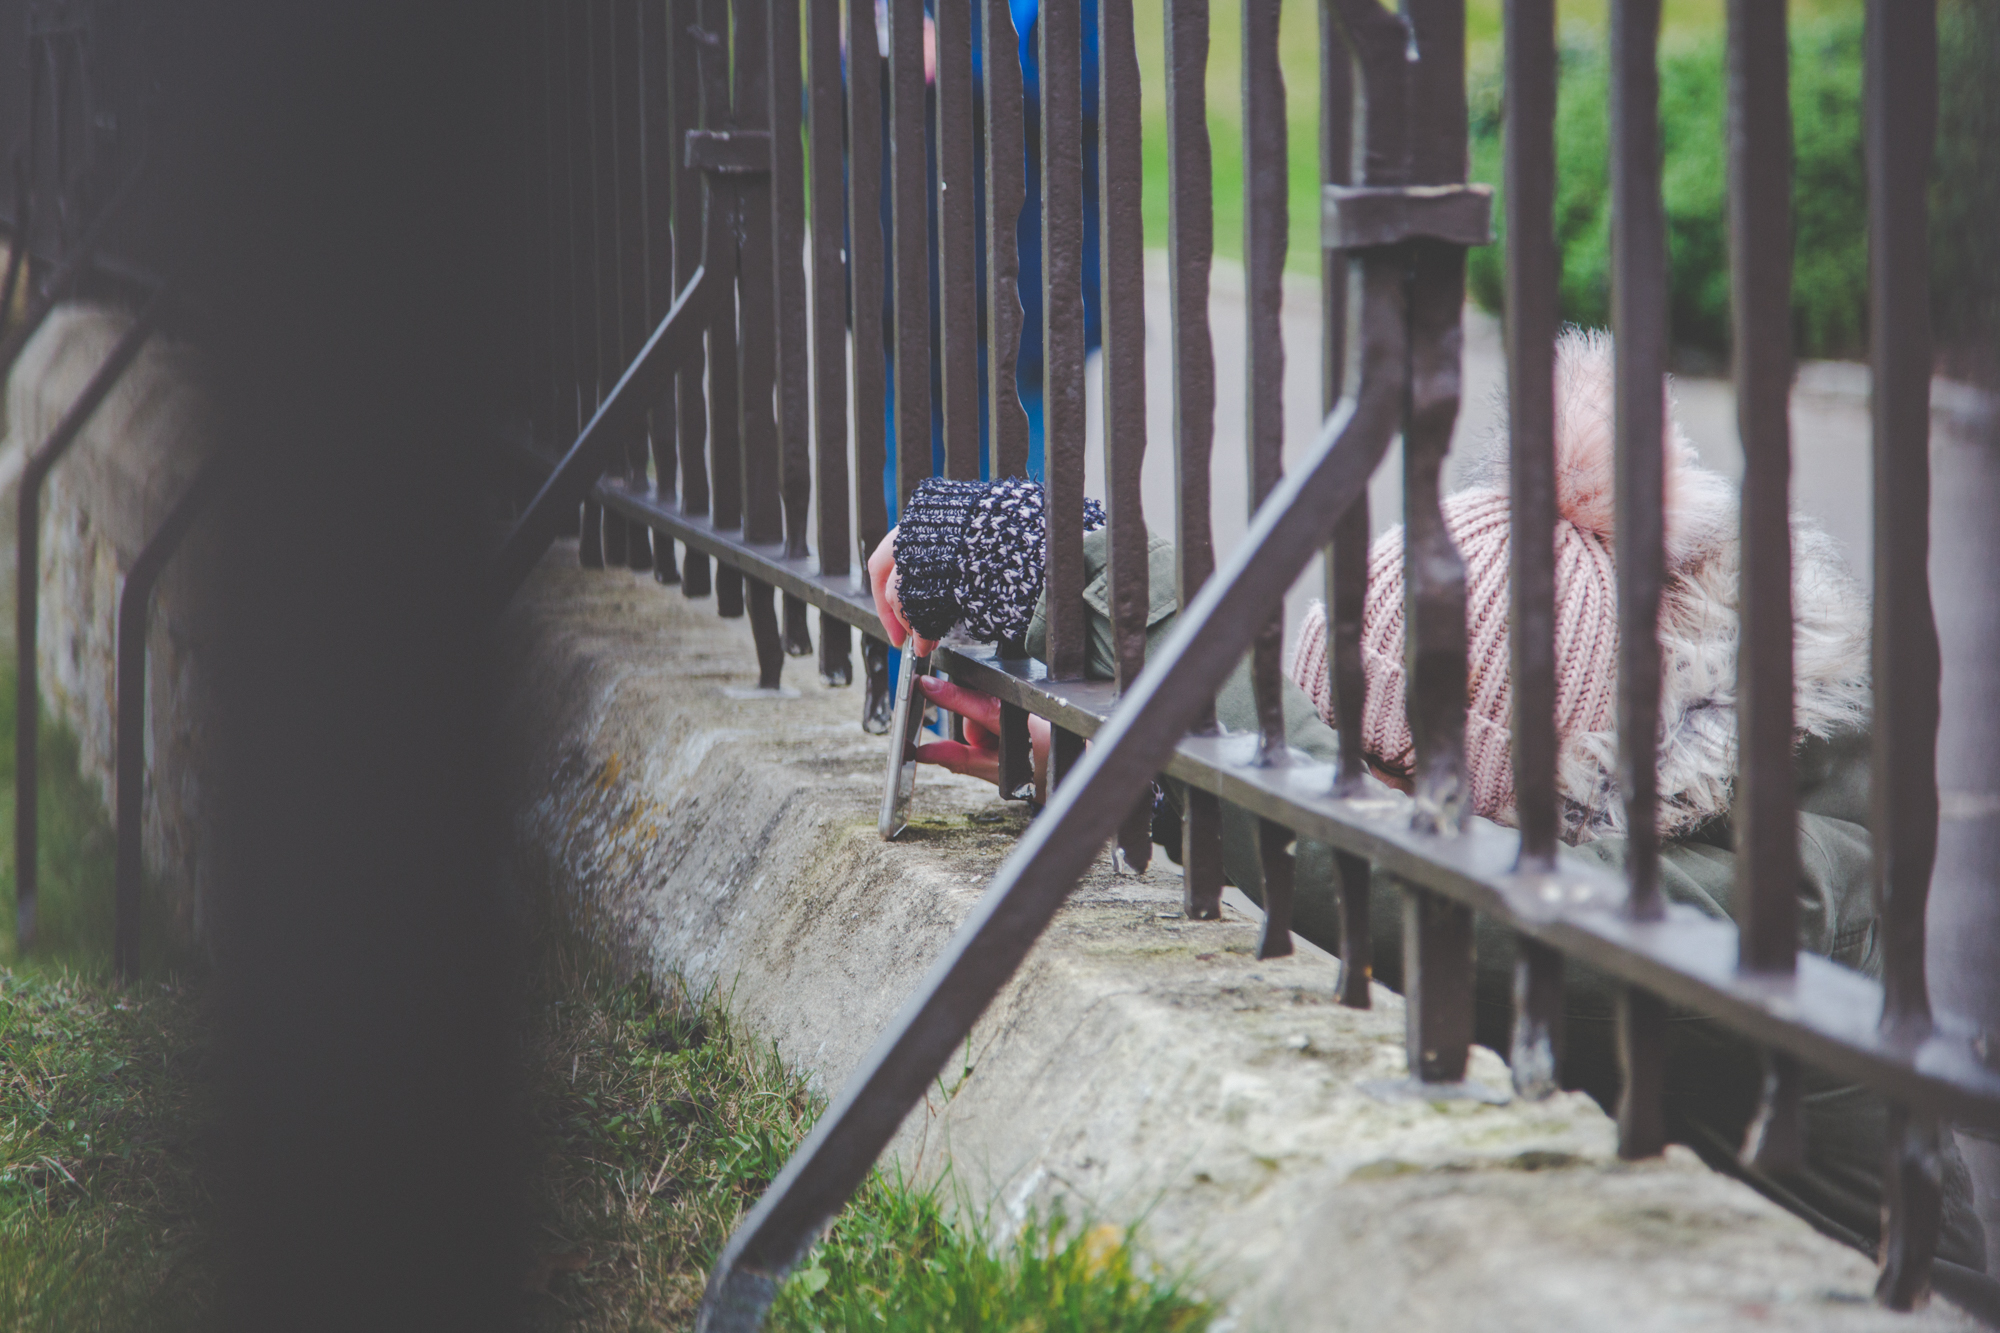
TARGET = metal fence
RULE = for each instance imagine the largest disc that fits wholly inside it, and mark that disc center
(694, 374)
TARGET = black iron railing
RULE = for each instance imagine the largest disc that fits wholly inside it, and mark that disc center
(680, 327)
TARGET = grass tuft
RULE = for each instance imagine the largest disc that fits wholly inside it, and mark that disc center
(899, 1259)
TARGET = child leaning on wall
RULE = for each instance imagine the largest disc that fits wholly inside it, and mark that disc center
(969, 555)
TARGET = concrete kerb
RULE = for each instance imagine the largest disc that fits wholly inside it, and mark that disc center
(1141, 1067)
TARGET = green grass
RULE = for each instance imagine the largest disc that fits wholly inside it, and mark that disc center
(898, 1260)
(101, 1105)
(102, 1211)
(659, 1121)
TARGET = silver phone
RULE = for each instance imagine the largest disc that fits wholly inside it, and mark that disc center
(901, 783)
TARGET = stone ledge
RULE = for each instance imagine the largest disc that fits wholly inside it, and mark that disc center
(1141, 1067)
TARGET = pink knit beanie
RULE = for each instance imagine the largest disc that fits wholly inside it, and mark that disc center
(1586, 647)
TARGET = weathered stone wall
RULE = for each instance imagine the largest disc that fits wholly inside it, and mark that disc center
(1141, 1066)
(102, 502)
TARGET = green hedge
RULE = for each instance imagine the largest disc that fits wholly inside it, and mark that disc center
(1830, 285)
(1830, 282)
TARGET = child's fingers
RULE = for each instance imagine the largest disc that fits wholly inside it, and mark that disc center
(968, 704)
(881, 576)
(958, 758)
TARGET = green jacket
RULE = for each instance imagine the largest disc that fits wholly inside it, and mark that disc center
(1713, 1077)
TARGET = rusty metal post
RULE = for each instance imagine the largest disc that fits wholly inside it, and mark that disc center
(1345, 559)
(909, 189)
(829, 323)
(659, 157)
(628, 88)
(867, 295)
(1190, 252)
(1533, 273)
(958, 233)
(1639, 319)
(1122, 261)
(609, 293)
(1059, 27)
(690, 195)
(1266, 236)
(1900, 125)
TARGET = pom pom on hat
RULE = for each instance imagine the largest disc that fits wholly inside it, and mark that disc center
(1699, 504)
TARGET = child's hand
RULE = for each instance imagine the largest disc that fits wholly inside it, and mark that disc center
(888, 606)
(978, 756)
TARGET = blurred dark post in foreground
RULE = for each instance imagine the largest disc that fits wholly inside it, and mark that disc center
(343, 195)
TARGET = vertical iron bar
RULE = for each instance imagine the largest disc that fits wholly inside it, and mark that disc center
(562, 406)
(1532, 318)
(689, 208)
(583, 269)
(1438, 976)
(1536, 1052)
(1201, 856)
(757, 335)
(657, 153)
(1017, 757)
(788, 222)
(634, 293)
(1065, 753)
(1776, 1141)
(1533, 274)
(629, 139)
(909, 185)
(1122, 260)
(756, 289)
(609, 273)
(537, 236)
(1760, 235)
(725, 458)
(1274, 859)
(1642, 1059)
(1190, 252)
(958, 238)
(1266, 235)
(1006, 191)
(1912, 1208)
(1901, 123)
(1060, 29)
(1639, 321)
(829, 321)
(867, 293)
(1437, 984)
